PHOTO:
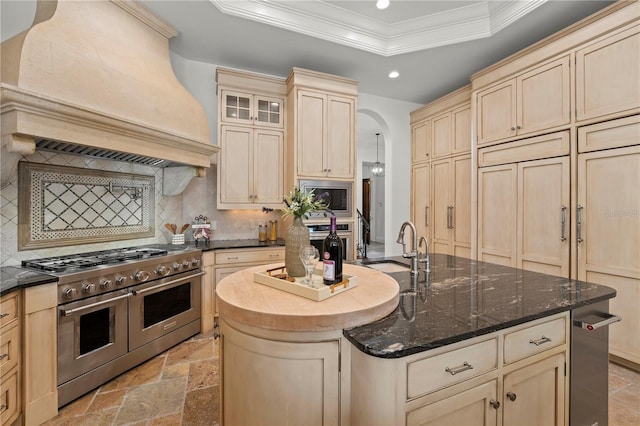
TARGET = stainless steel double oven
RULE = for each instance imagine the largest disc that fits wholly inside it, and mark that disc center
(114, 316)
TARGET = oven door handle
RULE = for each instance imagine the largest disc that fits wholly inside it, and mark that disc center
(144, 290)
(69, 312)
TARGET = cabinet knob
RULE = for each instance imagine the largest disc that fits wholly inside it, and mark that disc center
(495, 404)
(518, 127)
(513, 128)
(512, 396)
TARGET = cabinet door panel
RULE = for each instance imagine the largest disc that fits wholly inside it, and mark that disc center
(268, 170)
(236, 171)
(609, 252)
(441, 190)
(339, 142)
(420, 200)
(538, 392)
(441, 128)
(543, 97)
(543, 200)
(467, 408)
(236, 107)
(497, 205)
(420, 141)
(607, 76)
(461, 142)
(461, 219)
(278, 372)
(310, 129)
(497, 112)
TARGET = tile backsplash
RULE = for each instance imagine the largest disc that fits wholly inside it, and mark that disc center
(199, 198)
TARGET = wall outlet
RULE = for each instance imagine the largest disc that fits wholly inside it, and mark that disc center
(214, 225)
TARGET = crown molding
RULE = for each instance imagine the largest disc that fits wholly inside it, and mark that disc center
(333, 23)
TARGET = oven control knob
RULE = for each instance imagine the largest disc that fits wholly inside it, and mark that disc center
(186, 264)
(88, 288)
(69, 293)
(163, 270)
(176, 266)
(195, 262)
(142, 276)
(105, 284)
(120, 280)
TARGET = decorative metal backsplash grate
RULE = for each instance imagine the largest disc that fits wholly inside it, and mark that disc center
(61, 205)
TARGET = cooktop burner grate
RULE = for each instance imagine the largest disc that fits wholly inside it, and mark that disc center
(88, 260)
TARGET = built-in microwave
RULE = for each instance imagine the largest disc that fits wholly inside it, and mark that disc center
(337, 194)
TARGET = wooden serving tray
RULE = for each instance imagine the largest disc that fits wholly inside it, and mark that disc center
(278, 278)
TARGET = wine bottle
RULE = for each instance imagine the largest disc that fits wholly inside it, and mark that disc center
(332, 256)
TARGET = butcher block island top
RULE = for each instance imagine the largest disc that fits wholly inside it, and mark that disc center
(243, 300)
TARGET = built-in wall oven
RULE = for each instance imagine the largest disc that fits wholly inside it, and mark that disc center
(114, 316)
(318, 232)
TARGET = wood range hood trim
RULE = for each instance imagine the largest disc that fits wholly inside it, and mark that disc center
(98, 74)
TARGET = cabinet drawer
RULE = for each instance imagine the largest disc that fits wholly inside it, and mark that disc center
(8, 309)
(252, 256)
(9, 344)
(535, 339)
(9, 398)
(430, 374)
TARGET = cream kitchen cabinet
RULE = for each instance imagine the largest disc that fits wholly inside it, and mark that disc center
(523, 217)
(420, 199)
(217, 264)
(452, 132)
(263, 370)
(321, 127)
(608, 76)
(250, 109)
(451, 192)
(325, 129)
(512, 376)
(608, 223)
(535, 101)
(10, 353)
(251, 119)
(250, 173)
(420, 141)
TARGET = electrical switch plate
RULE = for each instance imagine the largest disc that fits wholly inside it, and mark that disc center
(214, 225)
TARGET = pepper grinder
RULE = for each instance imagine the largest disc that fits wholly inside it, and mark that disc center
(273, 236)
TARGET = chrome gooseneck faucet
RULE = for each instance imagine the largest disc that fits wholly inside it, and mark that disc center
(413, 255)
(425, 259)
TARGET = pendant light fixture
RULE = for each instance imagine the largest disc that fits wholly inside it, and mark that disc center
(378, 167)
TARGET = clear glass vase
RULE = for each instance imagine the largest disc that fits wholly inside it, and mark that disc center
(297, 236)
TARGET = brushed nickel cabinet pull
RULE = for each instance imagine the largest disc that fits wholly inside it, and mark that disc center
(459, 369)
(426, 215)
(540, 341)
(563, 211)
(4, 407)
(452, 217)
(4, 314)
(579, 222)
(3, 356)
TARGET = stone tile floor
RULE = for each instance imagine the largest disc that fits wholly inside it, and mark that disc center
(180, 387)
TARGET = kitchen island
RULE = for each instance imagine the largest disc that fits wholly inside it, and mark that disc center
(459, 337)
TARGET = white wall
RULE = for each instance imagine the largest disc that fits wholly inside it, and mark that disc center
(393, 117)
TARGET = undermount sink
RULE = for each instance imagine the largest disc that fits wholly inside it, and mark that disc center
(387, 266)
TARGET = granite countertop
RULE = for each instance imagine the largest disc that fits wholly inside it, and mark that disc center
(462, 299)
(15, 277)
(237, 244)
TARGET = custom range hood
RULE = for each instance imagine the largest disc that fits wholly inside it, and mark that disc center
(95, 78)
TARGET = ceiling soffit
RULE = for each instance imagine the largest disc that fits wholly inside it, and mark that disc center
(331, 22)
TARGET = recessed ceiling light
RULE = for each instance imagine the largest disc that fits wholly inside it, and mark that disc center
(394, 74)
(382, 4)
